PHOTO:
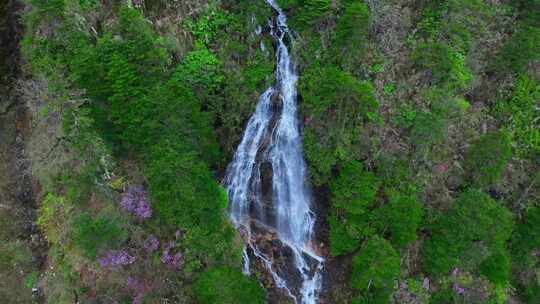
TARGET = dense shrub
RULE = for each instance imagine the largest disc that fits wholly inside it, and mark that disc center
(496, 268)
(94, 234)
(353, 195)
(335, 105)
(354, 190)
(522, 49)
(227, 286)
(351, 34)
(487, 157)
(375, 269)
(309, 12)
(54, 214)
(402, 215)
(445, 65)
(527, 237)
(428, 129)
(474, 228)
(522, 117)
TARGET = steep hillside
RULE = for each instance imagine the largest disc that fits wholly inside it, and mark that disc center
(421, 132)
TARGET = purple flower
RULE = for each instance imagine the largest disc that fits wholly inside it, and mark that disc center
(135, 201)
(151, 243)
(173, 260)
(116, 258)
(458, 289)
(138, 288)
(425, 283)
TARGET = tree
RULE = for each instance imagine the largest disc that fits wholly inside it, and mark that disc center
(375, 268)
(353, 194)
(402, 215)
(474, 228)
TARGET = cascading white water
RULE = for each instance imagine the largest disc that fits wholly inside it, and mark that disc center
(272, 137)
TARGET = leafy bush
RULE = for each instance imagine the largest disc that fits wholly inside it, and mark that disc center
(522, 49)
(496, 268)
(375, 268)
(474, 228)
(351, 34)
(94, 234)
(428, 129)
(402, 215)
(335, 105)
(353, 194)
(487, 157)
(227, 286)
(354, 190)
(309, 12)
(527, 238)
(522, 117)
(54, 214)
(446, 65)
(201, 70)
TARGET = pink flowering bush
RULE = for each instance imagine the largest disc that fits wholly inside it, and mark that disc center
(135, 201)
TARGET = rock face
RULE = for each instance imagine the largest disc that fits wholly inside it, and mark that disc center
(17, 203)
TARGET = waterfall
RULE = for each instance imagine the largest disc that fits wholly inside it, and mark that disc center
(271, 153)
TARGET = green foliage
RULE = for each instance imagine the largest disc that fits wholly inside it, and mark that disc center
(402, 215)
(91, 235)
(336, 106)
(522, 49)
(522, 117)
(428, 129)
(496, 268)
(227, 286)
(487, 157)
(354, 190)
(202, 71)
(474, 228)
(54, 213)
(446, 65)
(456, 22)
(14, 254)
(309, 12)
(527, 238)
(207, 26)
(351, 34)
(353, 195)
(375, 268)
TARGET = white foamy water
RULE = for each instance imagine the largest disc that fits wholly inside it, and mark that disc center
(272, 136)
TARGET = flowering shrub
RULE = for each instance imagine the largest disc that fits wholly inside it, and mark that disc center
(135, 201)
(138, 288)
(151, 243)
(116, 258)
(173, 260)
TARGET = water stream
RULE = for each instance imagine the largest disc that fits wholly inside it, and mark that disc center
(266, 183)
